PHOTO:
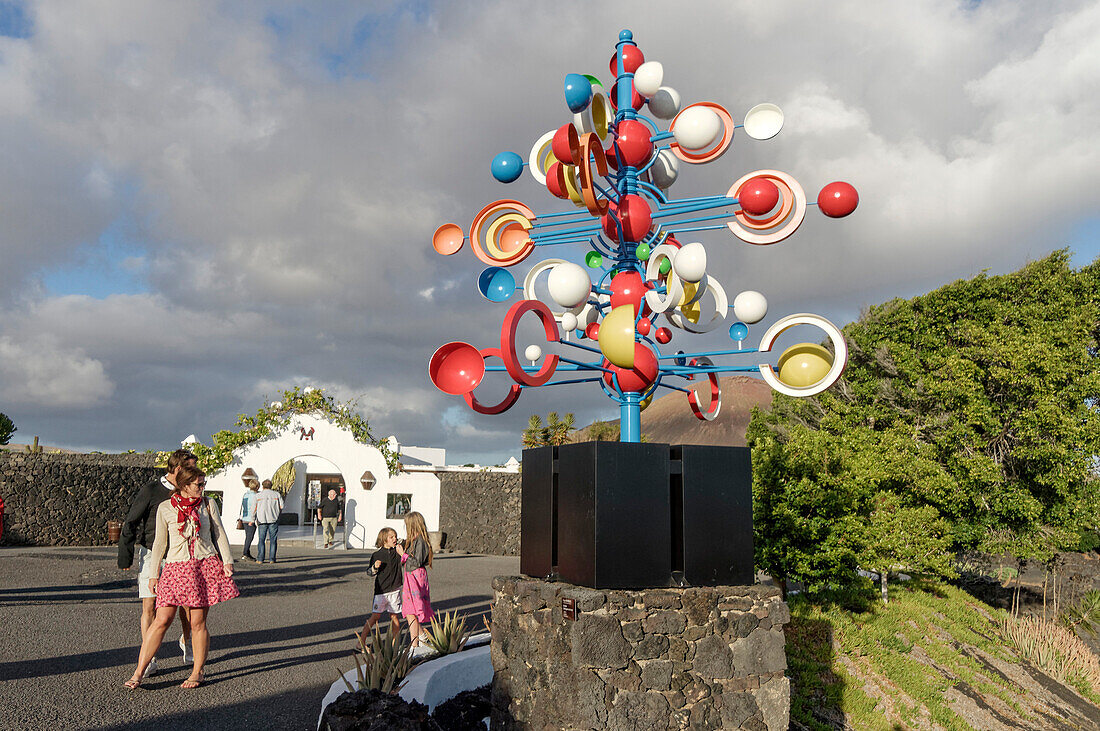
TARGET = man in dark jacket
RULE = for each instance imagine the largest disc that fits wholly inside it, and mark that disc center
(137, 536)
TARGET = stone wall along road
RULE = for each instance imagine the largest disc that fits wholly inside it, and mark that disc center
(67, 499)
(479, 511)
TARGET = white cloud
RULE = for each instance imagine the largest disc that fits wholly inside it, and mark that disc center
(283, 179)
(42, 372)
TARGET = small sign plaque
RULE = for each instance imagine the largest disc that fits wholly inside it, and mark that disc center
(569, 608)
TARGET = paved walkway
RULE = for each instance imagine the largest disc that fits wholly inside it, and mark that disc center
(69, 638)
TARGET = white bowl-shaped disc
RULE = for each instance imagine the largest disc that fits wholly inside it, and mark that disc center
(696, 128)
(690, 262)
(648, 78)
(750, 306)
(665, 169)
(665, 104)
(569, 284)
(532, 353)
(763, 121)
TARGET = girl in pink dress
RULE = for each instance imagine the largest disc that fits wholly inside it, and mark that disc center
(416, 556)
(194, 575)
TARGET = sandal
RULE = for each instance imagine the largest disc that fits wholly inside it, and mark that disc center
(190, 684)
(133, 683)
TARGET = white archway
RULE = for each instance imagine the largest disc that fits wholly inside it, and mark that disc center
(313, 438)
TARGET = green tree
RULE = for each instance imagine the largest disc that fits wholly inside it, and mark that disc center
(978, 399)
(534, 435)
(7, 428)
(903, 539)
(556, 430)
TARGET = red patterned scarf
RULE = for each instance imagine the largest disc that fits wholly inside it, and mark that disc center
(187, 512)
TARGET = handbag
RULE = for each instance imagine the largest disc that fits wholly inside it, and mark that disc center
(240, 524)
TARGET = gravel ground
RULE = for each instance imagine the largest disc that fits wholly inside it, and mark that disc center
(69, 639)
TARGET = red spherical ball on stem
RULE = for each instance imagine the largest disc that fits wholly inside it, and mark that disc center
(837, 199)
(635, 148)
(758, 196)
(592, 331)
(663, 335)
(627, 288)
(632, 59)
(644, 326)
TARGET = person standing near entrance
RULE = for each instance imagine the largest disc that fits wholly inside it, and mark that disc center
(137, 536)
(269, 505)
(248, 518)
(330, 513)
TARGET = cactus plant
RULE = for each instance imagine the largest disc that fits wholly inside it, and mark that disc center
(449, 633)
(382, 665)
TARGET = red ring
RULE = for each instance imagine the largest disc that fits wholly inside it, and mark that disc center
(508, 342)
(509, 401)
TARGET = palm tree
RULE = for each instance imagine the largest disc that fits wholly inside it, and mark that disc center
(534, 435)
(557, 430)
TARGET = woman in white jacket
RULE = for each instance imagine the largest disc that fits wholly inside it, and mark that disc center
(196, 574)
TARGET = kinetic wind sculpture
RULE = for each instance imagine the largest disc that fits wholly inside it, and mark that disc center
(616, 165)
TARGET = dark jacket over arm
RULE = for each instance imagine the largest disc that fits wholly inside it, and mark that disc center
(138, 521)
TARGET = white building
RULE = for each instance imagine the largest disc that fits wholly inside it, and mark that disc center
(325, 455)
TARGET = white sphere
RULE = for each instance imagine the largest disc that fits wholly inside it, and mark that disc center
(665, 104)
(569, 322)
(569, 284)
(696, 128)
(648, 78)
(665, 169)
(750, 306)
(532, 353)
(690, 262)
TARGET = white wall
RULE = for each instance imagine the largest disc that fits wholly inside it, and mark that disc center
(365, 511)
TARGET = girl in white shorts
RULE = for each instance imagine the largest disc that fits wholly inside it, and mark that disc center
(385, 566)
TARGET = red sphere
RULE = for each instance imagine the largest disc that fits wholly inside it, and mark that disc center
(553, 179)
(636, 217)
(758, 196)
(644, 326)
(632, 59)
(627, 289)
(837, 200)
(663, 335)
(633, 210)
(635, 149)
(638, 378)
(559, 145)
(636, 99)
(593, 330)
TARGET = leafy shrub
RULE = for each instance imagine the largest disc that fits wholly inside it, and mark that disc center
(449, 633)
(1090, 541)
(382, 665)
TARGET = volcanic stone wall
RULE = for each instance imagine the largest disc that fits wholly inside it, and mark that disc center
(707, 657)
(67, 499)
(479, 511)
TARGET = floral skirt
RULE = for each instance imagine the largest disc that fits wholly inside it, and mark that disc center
(416, 599)
(194, 583)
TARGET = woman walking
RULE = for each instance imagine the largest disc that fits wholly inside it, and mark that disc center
(248, 518)
(187, 529)
(416, 557)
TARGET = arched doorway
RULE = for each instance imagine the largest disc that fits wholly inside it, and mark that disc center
(302, 480)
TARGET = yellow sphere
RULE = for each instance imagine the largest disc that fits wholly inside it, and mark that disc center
(804, 365)
(644, 403)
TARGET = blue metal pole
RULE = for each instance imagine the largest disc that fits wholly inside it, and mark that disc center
(630, 417)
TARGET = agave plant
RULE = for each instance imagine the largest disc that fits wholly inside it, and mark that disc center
(381, 665)
(448, 634)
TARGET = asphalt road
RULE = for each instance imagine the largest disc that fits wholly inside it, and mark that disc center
(69, 639)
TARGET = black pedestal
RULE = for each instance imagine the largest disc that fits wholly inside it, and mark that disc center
(613, 507)
(614, 515)
(538, 505)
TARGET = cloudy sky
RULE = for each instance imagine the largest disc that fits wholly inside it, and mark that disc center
(202, 203)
